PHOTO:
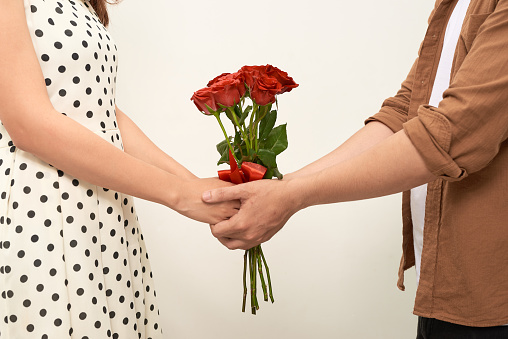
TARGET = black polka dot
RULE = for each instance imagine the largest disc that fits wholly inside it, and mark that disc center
(68, 32)
(38, 33)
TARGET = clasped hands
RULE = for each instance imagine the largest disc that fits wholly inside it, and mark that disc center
(265, 206)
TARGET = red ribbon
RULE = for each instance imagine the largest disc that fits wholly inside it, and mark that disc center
(249, 171)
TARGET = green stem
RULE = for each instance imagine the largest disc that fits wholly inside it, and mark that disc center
(260, 270)
(251, 124)
(252, 287)
(244, 281)
(216, 114)
(244, 136)
(254, 273)
(267, 274)
(264, 112)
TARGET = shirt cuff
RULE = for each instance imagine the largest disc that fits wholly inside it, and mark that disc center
(387, 119)
(430, 133)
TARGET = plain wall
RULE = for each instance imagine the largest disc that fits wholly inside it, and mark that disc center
(334, 267)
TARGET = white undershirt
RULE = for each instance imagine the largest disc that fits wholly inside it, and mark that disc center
(441, 83)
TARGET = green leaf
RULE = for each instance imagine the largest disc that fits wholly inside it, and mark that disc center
(277, 140)
(238, 138)
(245, 114)
(222, 147)
(266, 124)
(224, 159)
(267, 157)
(268, 174)
(238, 112)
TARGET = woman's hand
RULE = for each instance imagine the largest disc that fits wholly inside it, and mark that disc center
(191, 205)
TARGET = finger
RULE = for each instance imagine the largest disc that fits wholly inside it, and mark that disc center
(222, 194)
(223, 228)
(232, 244)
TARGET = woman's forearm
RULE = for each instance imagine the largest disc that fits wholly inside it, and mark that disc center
(76, 150)
(137, 144)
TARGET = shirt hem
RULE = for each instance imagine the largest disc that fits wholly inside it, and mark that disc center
(451, 319)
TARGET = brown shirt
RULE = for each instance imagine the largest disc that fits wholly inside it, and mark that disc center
(464, 268)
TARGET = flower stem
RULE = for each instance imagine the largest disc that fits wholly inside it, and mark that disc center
(267, 274)
(252, 286)
(244, 136)
(216, 114)
(244, 280)
(260, 269)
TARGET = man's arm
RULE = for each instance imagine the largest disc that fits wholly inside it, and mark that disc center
(393, 165)
(365, 138)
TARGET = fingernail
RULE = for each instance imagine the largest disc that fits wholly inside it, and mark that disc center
(207, 196)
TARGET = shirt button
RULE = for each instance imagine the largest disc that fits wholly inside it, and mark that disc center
(423, 82)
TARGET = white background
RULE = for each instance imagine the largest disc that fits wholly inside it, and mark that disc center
(334, 268)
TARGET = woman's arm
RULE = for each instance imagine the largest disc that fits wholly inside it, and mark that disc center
(137, 144)
(36, 127)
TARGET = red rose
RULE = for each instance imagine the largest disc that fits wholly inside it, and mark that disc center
(226, 91)
(264, 90)
(203, 98)
(282, 77)
(218, 78)
(251, 73)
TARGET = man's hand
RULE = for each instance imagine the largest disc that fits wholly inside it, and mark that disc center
(266, 205)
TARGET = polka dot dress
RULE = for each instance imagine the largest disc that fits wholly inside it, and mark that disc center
(73, 262)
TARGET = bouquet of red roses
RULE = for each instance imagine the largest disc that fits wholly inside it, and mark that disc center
(252, 150)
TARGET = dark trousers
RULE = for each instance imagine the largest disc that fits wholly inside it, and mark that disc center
(437, 329)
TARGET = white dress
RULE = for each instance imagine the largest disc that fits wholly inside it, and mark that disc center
(73, 263)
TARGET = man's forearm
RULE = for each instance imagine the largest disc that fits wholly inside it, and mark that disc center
(393, 165)
(365, 138)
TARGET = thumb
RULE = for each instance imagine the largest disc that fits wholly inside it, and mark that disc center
(221, 194)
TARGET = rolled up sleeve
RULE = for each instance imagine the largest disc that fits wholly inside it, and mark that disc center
(465, 132)
(394, 111)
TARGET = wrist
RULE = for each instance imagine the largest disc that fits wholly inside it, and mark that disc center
(173, 191)
(296, 196)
